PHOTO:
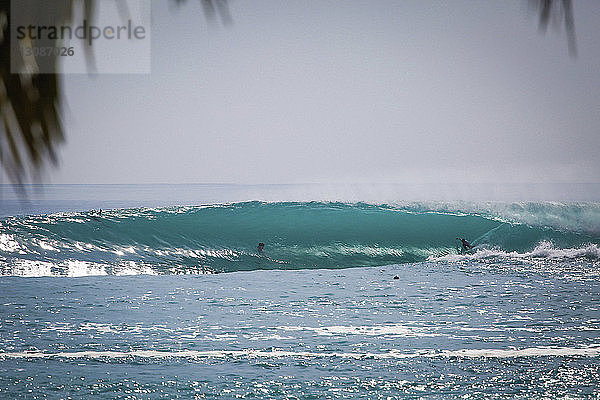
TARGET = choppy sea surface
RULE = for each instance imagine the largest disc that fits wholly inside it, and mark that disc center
(142, 292)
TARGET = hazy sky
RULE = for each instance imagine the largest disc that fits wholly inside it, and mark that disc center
(344, 91)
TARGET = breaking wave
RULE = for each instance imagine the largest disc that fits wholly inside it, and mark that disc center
(224, 237)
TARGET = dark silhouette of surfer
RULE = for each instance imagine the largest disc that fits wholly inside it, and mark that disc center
(466, 246)
(260, 247)
(95, 214)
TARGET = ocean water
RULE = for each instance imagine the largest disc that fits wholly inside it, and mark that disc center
(157, 291)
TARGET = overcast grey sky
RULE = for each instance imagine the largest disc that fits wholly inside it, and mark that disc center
(344, 91)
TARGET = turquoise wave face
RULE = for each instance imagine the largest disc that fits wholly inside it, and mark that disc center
(224, 238)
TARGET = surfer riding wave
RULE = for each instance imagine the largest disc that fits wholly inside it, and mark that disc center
(466, 246)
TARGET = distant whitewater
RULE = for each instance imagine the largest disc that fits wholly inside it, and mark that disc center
(297, 235)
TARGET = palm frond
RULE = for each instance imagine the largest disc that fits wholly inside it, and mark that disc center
(31, 128)
(557, 10)
(29, 108)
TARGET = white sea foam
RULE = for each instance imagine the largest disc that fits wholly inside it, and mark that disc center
(544, 249)
(45, 245)
(76, 268)
(70, 268)
(133, 268)
(547, 351)
(122, 250)
(100, 328)
(325, 251)
(378, 330)
(9, 244)
(73, 268)
(30, 268)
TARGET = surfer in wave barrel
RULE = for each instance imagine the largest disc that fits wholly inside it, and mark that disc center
(466, 246)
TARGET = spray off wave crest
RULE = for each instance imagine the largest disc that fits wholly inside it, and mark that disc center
(224, 237)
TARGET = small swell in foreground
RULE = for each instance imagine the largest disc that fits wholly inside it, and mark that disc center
(107, 356)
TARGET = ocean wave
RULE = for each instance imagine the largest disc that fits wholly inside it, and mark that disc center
(224, 237)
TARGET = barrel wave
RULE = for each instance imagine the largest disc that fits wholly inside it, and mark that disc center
(224, 237)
